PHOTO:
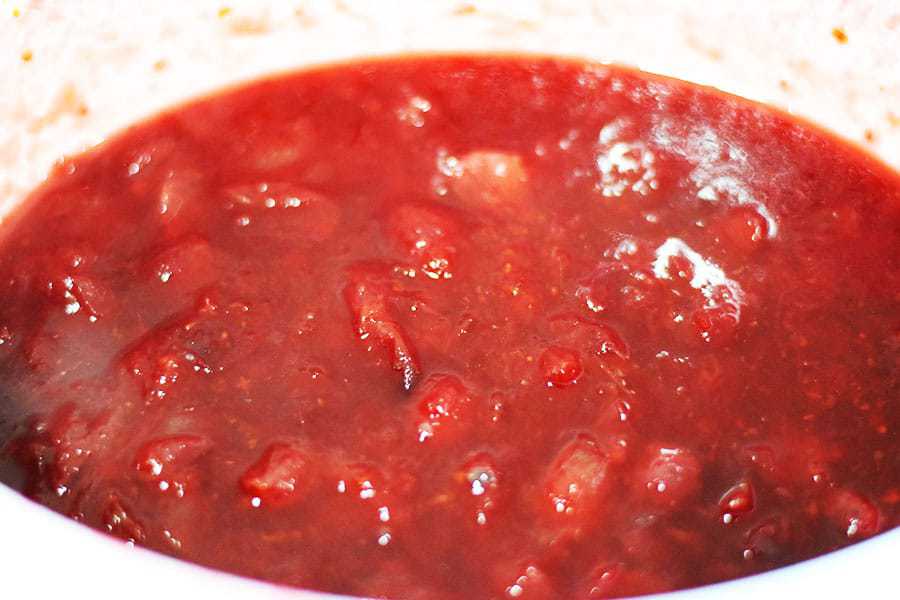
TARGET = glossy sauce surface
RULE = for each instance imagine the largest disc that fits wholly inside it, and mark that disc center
(461, 328)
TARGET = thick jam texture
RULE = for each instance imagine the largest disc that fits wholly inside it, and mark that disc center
(461, 328)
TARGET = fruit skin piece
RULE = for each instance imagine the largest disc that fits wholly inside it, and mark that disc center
(769, 539)
(740, 499)
(444, 406)
(490, 179)
(285, 212)
(560, 366)
(168, 460)
(743, 229)
(279, 477)
(671, 477)
(119, 521)
(368, 304)
(60, 449)
(425, 233)
(715, 322)
(576, 483)
(854, 514)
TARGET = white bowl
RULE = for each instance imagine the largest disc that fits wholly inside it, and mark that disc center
(80, 71)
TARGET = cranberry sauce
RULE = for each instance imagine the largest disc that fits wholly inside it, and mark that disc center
(461, 328)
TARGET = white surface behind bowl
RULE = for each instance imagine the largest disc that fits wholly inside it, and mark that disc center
(75, 72)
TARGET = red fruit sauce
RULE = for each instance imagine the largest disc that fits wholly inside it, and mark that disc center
(461, 328)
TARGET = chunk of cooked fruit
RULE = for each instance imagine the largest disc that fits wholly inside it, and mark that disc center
(716, 321)
(577, 481)
(167, 461)
(423, 230)
(489, 179)
(187, 264)
(170, 452)
(743, 229)
(280, 476)
(180, 201)
(560, 366)
(738, 500)
(622, 284)
(79, 294)
(524, 580)
(671, 477)
(791, 459)
(591, 336)
(852, 513)
(120, 522)
(59, 448)
(768, 539)
(283, 212)
(372, 318)
(158, 369)
(444, 407)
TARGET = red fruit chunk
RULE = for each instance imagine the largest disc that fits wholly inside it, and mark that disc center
(601, 289)
(426, 233)
(761, 456)
(603, 582)
(560, 366)
(577, 481)
(718, 319)
(296, 140)
(279, 477)
(487, 179)
(166, 460)
(180, 201)
(645, 539)
(187, 264)
(594, 338)
(445, 405)
(798, 458)
(283, 212)
(769, 539)
(853, 514)
(168, 452)
(79, 294)
(680, 269)
(744, 228)
(419, 228)
(57, 451)
(738, 500)
(73, 439)
(525, 580)
(671, 478)
(372, 319)
(158, 370)
(120, 522)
